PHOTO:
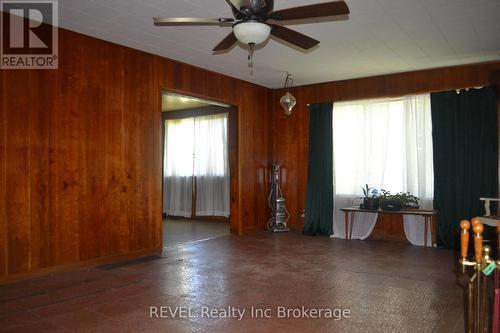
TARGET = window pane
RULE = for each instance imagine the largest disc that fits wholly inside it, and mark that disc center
(179, 147)
(211, 145)
(384, 143)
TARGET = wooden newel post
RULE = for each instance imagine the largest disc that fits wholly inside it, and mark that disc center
(464, 238)
(478, 229)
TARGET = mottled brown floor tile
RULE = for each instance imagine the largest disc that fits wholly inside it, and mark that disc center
(80, 320)
(18, 320)
(387, 287)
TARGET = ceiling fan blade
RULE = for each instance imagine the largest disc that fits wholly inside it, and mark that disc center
(293, 37)
(226, 43)
(311, 11)
(161, 21)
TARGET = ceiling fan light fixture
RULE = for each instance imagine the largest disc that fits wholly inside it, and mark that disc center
(252, 32)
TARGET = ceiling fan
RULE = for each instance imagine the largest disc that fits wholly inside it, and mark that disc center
(250, 23)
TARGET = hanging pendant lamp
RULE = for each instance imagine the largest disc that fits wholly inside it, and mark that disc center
(288, 101)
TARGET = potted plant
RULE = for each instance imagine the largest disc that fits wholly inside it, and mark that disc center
(370, 200)
(409, 201)
(398, 201)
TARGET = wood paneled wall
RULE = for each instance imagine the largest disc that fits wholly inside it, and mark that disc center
(80, 149)
(291, 134)
(80, 154)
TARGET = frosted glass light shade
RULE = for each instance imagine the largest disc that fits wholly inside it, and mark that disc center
(287, 102)
(252, 32)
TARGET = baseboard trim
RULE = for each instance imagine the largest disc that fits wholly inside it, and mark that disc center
(8, 279)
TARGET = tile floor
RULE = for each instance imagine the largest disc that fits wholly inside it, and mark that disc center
(387, 287)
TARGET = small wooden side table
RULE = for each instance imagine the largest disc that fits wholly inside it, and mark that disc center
(429, 219)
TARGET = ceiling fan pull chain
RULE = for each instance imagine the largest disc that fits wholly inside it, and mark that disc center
(250, 57)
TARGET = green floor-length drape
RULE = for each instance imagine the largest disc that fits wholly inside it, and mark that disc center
(319, 196)
(465, 143)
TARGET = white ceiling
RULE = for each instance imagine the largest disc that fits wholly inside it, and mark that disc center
(176, 102)
(380, 36)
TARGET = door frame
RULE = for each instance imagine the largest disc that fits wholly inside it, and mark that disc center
(233, 156)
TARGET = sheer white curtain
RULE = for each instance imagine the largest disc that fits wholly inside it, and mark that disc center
(211, 166)
(385, 143)
(196, 147)
(419, 162)
(178, 167)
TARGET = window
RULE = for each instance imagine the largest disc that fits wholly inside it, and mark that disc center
(196, 150)
(211, 145)
(179, 147)
(196, 146)
(386, 143)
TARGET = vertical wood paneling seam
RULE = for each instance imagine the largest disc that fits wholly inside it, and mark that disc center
(49, 181)
(30, 102)
(161, 149)
(77, 174)
(3, 182)
(53, 192)
(122, 161)
(105, 220)
(240, 168)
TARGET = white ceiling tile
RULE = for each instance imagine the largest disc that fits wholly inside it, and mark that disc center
(435, 47)
(68, 16)
(102, 12)
(379, 36)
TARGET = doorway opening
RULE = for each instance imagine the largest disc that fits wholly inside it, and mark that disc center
(197, 168)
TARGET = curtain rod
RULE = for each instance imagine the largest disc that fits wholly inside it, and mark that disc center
(396, 97)
(467, 89)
